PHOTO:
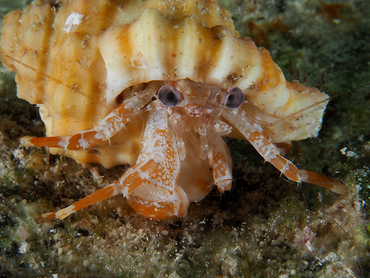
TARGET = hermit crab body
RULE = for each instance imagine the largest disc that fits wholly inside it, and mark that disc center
(155, 84)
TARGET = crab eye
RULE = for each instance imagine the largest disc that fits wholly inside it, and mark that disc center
(169, 96)
(234, 98)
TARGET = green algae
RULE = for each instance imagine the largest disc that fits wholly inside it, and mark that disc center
(264, 227)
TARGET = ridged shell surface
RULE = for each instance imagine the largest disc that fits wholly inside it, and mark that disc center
(78, 60)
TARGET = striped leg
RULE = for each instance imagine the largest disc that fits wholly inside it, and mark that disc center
(255, 135)
(220, 161)
(150, 185)
(105, 129)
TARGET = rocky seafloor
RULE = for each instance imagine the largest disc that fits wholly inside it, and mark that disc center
(264, 226)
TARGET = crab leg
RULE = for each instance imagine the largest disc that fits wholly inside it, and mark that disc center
(97, 196)
(220, 161)
(106, 128)
(255, 135)
(111, 190)
(150, 185)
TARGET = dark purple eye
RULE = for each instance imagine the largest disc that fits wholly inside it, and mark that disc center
(234, 98)
(169, 96)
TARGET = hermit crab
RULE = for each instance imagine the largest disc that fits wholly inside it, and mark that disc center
(155, 84)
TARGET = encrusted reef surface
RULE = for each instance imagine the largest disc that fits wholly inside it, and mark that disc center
(264, 227)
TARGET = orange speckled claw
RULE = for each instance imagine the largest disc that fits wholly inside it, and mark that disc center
(166, 205)
(158, 196)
